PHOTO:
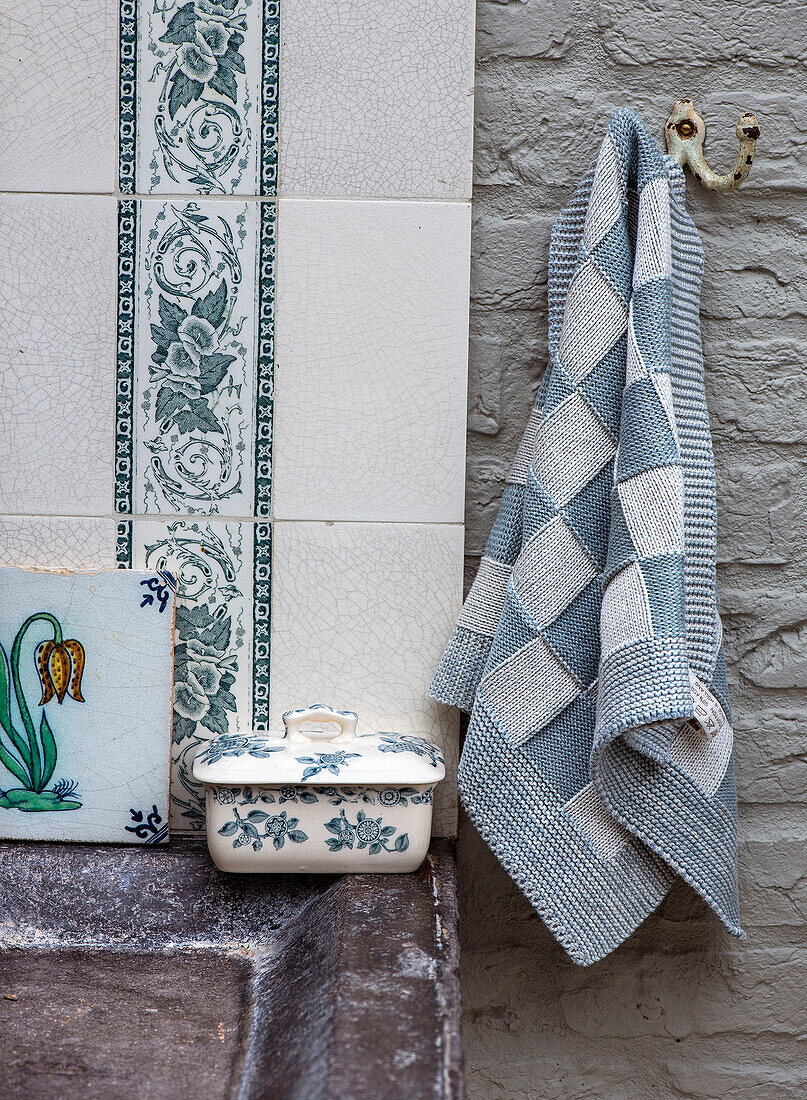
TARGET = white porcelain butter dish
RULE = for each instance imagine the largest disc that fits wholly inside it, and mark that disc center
(319, 800)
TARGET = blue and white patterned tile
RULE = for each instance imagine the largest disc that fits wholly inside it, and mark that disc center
(215, 566)
(199, 97)
(195, 357)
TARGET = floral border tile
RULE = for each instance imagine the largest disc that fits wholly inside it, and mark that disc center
(223, 571)
(199, 97)
(195, 367)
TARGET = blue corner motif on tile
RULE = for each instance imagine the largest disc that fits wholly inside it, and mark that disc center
(199, 96)
(151, 828)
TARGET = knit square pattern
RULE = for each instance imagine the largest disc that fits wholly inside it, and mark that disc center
(598, 763)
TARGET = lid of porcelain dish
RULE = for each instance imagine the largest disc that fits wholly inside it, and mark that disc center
(322, 756)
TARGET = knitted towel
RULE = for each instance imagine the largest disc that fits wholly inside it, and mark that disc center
(598, 762)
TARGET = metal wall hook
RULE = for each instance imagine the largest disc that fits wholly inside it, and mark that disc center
(686, 133)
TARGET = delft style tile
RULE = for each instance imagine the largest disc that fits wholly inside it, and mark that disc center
(74, 543)
(57, 391)
(360, 615)
(377, 98)
(85, 667)
(221, 662)
(372, 339)
(198, 96)
(58, 96)
(194, 357)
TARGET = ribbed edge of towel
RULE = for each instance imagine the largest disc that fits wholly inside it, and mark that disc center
(589, 903)
(461, 668)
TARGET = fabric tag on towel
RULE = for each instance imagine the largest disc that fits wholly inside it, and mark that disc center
(709, 715)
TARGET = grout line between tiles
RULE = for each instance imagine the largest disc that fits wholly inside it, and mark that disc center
(158, 196)
(157, 517)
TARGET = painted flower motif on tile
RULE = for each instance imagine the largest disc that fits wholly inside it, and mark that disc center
(196, 420)
(28, 747)
(201, 120)
(198, 337)
(196, 61)
(208, 631)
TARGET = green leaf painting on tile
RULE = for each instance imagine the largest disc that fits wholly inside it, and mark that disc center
(194, 397)
(200, 125)
(209, 633)
(30, 754)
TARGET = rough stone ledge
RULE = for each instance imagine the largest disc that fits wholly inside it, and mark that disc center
(152, 973)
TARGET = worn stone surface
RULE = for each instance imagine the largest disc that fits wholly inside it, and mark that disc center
(148, 972)
(678, 1011)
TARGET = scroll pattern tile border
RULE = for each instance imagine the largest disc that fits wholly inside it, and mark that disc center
(154, 402)
(223, 568)
(198, 97)
(240, 672)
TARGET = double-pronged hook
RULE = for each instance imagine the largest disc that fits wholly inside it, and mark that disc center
(686, 133)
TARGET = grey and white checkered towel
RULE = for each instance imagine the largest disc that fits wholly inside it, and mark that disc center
(598, 763)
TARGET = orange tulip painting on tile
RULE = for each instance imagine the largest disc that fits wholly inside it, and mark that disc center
(30, 756)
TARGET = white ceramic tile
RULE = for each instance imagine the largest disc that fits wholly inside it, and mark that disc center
(58, 542)
(57, 354)
(371, 337)
(213, 564)
(84, 745)
(194, 355)
(360, 615)
(377, 98)
(199, 97)
(58, 96)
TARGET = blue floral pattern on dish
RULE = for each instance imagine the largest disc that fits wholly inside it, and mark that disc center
(237, 745)
(365, 832)
(408, 742)
(336, 796)
(325, 762)
(276, 827)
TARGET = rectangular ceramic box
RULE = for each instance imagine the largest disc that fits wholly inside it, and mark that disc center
(319, 800)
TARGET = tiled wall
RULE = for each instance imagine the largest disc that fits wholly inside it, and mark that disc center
(234, 247)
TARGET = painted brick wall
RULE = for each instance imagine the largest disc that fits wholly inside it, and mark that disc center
(680, 1010)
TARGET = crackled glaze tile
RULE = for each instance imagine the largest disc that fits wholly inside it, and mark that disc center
(194, 334)
(58, 542)
(223, 576)
(82, 744)
(372, 337)
(58, 94)
(198, 97)
(57, 325)
(377, 98)
(360, 615)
